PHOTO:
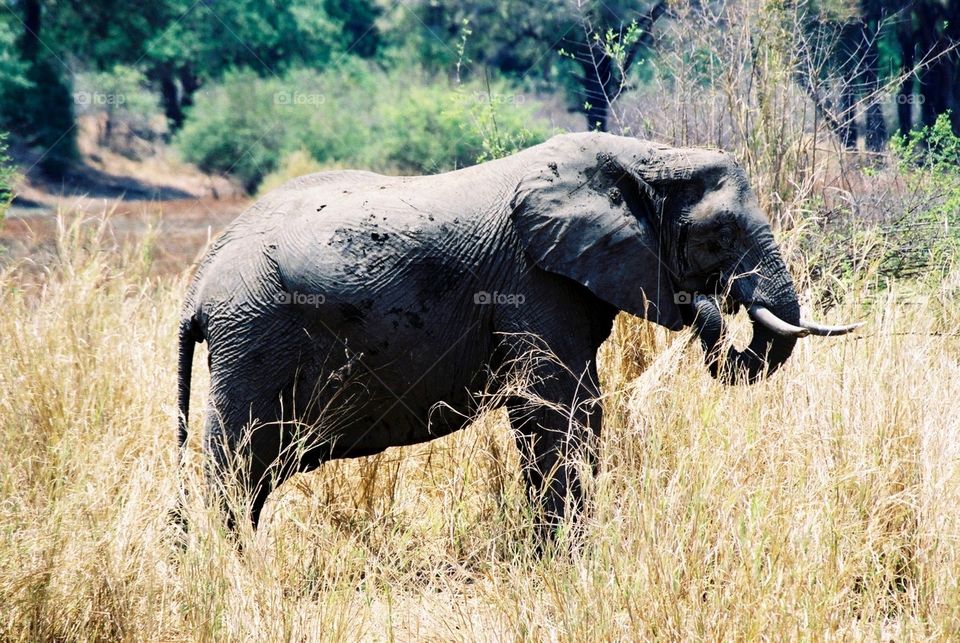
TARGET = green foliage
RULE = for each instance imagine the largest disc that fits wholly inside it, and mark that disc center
(210, 38)
(342, 123)
(358, 20)
(122, 91)
(433, 127)
(122, 96)
(236, 128)
(182, 44)
(617, 43)
(12, 68)
(597, 43)
(425, 132)
(45, 112)
(292, 165)
(357, 116)
(915, 230)
(502, 128)
(36, 101)
(267, 37)
(934, 148)
(929, 159)
(7, 177)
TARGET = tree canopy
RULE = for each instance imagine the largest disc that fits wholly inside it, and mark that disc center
(589, 53)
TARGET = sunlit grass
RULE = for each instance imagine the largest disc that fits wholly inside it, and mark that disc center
(825, 501)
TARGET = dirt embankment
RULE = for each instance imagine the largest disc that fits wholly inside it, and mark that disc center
(136, 194)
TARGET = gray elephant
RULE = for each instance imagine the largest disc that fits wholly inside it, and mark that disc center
(347, 312)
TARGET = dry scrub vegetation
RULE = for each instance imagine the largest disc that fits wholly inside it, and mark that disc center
(825, 501)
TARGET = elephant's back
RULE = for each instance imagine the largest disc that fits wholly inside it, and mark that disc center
(269, 214)
(332, 177)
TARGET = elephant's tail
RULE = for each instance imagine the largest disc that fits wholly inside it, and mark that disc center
(189, 336)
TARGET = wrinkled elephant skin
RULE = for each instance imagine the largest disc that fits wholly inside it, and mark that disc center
(347, 312)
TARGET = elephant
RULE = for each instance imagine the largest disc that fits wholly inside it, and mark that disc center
(346, 312)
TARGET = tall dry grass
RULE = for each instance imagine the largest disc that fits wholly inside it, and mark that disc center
(822, 503)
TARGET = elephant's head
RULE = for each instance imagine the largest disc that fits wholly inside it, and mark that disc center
(664, 233)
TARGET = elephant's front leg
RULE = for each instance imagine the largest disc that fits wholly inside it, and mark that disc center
(557, 426)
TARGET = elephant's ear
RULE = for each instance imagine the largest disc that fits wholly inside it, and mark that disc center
(591, 219)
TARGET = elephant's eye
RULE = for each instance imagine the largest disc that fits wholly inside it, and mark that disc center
(724, 236)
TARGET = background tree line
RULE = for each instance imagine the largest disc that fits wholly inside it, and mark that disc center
(857, 54)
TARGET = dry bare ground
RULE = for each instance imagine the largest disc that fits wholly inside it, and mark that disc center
(824, 502)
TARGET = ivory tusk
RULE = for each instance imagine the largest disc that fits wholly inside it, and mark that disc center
(767, 319)
(828, 331)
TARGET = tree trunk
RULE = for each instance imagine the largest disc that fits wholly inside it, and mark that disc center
(189, 84)
(30, 41)
(905, 98)
(170, 96)
(596, 87)
(928, 40)
(952, 65)
(848, 118)
(876, 127)
(46, 118)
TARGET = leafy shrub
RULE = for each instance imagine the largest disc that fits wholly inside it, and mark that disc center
(903, 222)
(343, 124)
(357, 116)
(235, 128)
(7, 177)
(432, 127)
(929, 160)
(123, 97)
(293, 165)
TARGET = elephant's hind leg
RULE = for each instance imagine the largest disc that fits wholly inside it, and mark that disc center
(250, 420)
(243, 463)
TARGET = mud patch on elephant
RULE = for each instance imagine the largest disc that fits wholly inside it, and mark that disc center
(412, 319)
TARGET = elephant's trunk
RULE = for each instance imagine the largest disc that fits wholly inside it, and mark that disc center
(768, 293)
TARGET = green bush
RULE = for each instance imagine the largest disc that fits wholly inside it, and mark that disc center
(357, 116)
(293, 165)
(122, 94)
(432, 127)
(905, 226)
(343, 125)
(236, 128)
(7, 177)
(929, 161)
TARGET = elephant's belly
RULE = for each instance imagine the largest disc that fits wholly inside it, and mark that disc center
(367, 407)
(378, 427)
(387, 383)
